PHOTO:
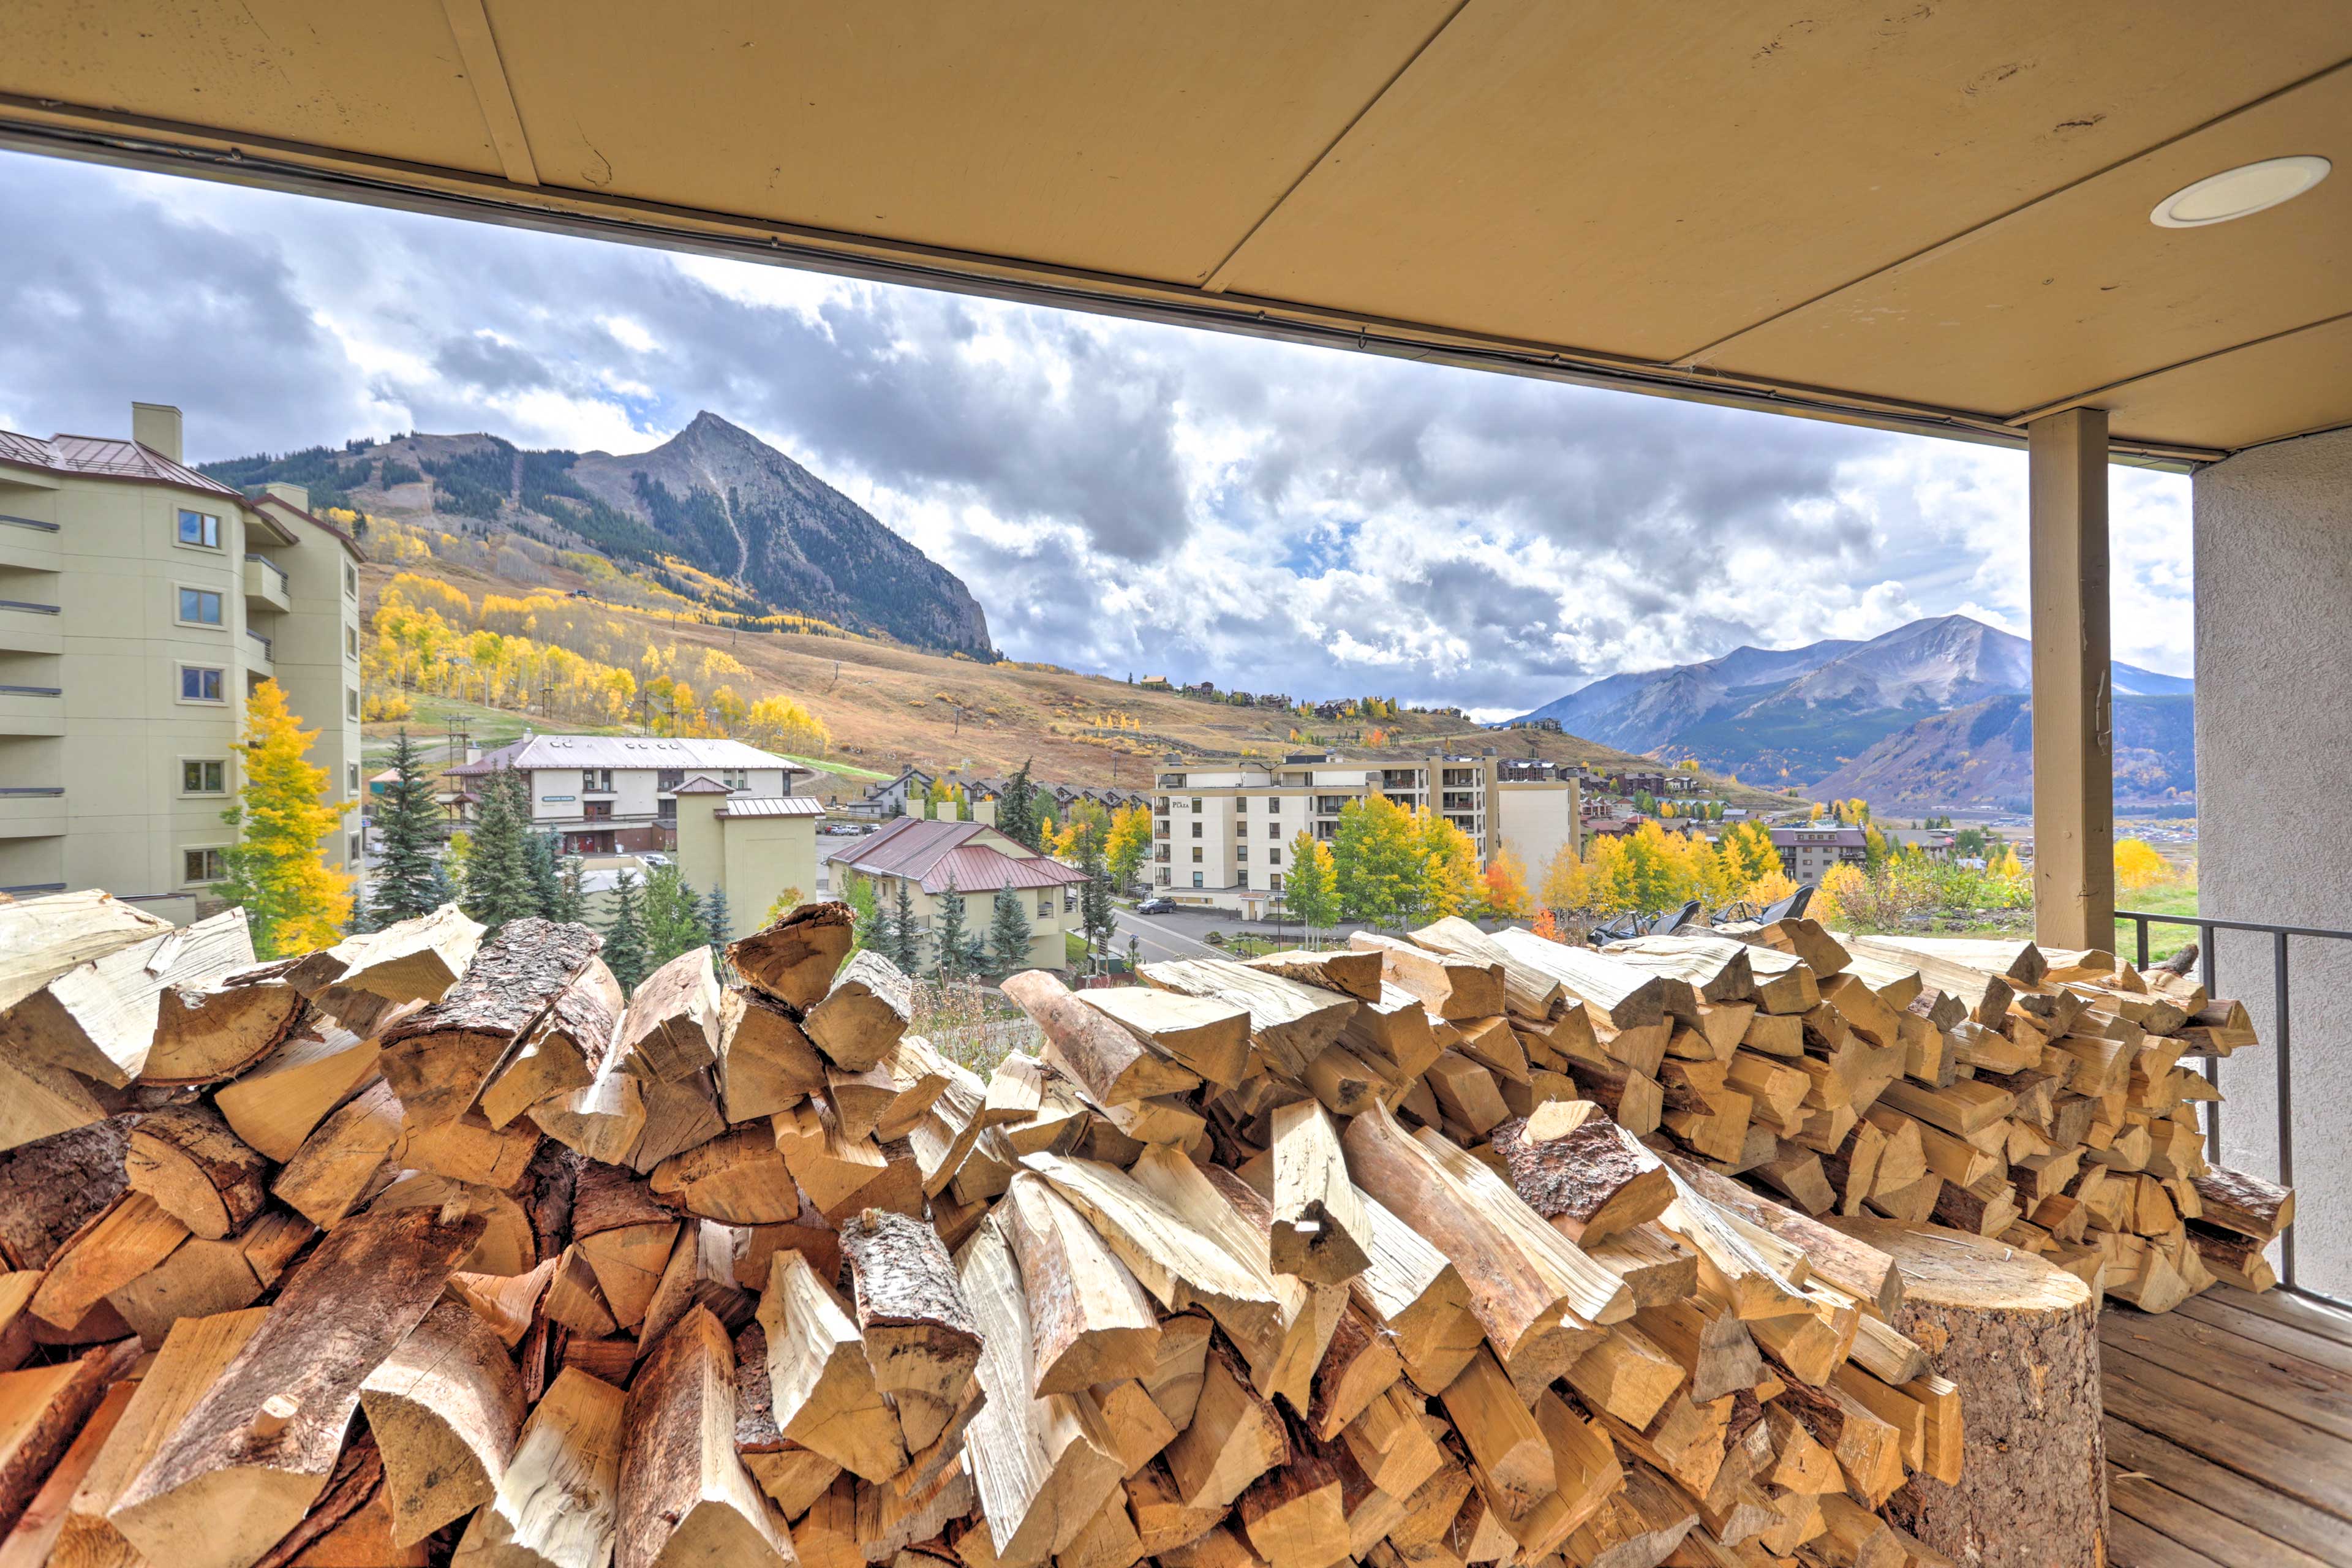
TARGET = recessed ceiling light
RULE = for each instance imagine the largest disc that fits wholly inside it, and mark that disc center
(2241, 191)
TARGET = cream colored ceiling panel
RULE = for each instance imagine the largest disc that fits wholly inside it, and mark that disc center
(1142, 140)
(2289, 386)
(381, 78)
(2083, 291)
(1646, 177)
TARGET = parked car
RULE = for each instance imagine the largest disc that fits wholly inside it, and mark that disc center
(1156, 907)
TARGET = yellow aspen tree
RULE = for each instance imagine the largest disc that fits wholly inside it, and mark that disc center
(292, 898)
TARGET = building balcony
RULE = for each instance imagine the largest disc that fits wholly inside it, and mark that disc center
(32, 710)
(27, 541)
(266, 585)
(27, 626)
(32, 811)
(260, 653)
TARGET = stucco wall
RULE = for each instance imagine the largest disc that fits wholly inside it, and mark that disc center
(2273, 575)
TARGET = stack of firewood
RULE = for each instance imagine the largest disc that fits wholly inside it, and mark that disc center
(1430, 1252)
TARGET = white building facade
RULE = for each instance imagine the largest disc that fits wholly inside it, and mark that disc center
(608, 794)
(1222, 830)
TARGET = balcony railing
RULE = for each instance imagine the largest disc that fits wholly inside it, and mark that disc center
(267, 647)
(32, 522)
(2281, 1042)
(12, 791)
(28, 607)
(32, 691)
(285, 583)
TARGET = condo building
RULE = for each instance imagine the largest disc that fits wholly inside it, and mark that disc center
(606, 795)
(141, 603)
(1222, 829)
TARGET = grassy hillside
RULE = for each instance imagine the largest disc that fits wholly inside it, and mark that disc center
(887, 705)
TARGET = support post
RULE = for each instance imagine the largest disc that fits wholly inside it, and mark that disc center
(2073, 727)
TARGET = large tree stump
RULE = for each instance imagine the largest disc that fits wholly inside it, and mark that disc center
(2020, 1339)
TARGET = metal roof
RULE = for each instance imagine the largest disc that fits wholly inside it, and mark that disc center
(541, 751)
(103, 456)
(774, 806)
(929, 852)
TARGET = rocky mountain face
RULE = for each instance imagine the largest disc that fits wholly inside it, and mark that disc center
(1980, 758)
(1805, 715)
(714, 496)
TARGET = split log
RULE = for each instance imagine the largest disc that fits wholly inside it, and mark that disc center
(43, 938)
(1090, 1321)
(921, 1338)
(700, 1272)
(256, 1451)
(671, 1029)
(133, 1236)
(564, 1050)
(416, 959)
(446, 1409)
(1290, 1024)
(41, 1408)
(792, 1477)
(196, 1170)
(738, 1178)
(765, 1061)
(51, 1187)
(202, 1278)
(821, 1386)
(1208, 1037)
(1110, 1062)
(685, 1497)
(440, 1060)
(1835, 1253)
(98, 1017)
(2234, 1200)
(1512, 1461)
(1320, 1231)
(1346, 970)
(862, 1014)
(2020, 1338)
(1449, 985)
(207, 1033)
(34, 1538)
(558, 1503)
(794, 959)
(346, 1161)
(330, 1057)
(1621, 995)
(1234, 1438)
(1043, 1465)
(1582, 1171)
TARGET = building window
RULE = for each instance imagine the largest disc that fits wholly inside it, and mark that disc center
(1273, 857)
(351, 580)
(1196, 878)
(1196, 805)
(1196, 831)
(351, 774)
(198, 684)
(596, 781)
(1241, 803)
(351, 701)
(352, 849)
(351, 642)
(1241, 853)
(199, 607)
(1273, 804)
(668, 779)
(203, 866)
(1274, 830)
(734, 778)
(1196, 854)
(201, 776)
(1274, 883)
(200, 529)
(1046, 906)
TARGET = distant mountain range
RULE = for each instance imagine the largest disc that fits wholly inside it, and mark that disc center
(1932, 714)
(713, 496)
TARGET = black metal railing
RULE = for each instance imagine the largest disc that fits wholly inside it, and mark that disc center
(2281, 1042)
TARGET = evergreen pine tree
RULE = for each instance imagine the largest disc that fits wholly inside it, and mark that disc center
(497, 867)
(408, 832)
(717, 922)
(444, 891)
(1093, 898)
(906, 942)
(1020, 816)
(1008, 932)
(674, 922)
(546, 874)
(571, 892)
(624, 937)
(954, 945)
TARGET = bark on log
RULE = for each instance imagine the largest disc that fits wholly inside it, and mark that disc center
(204, 1034)
(684, 1497)
(219, 1494)
(564, 1051)
(921, 1336)
(51, 1187)
(1592, 1180)
(196, 1170)
(795, 959)
(821, 1388)
(671, 1029)
(446, 1409)
(41, 1408)
(2020, 1338)
(440, 1060)
(1113, 1065)
(861, 1016)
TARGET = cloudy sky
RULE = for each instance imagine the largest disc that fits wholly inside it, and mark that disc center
(1120, 497)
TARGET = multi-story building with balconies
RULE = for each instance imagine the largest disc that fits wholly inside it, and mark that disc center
(140, 603)
(607, 795)
(1222, 830)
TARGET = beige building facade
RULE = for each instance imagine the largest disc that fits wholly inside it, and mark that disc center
(141, 603)
(754, 850)
(1222, 830)
(925, 857)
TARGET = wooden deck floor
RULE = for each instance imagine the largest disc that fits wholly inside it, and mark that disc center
(2229, 1433)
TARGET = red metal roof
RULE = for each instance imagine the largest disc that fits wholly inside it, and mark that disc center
(929, 852)
(106, 458)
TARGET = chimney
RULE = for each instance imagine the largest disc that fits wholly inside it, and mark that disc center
(296, 496)
(156, 426)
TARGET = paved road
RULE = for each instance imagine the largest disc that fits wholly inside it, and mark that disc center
(1158, 941)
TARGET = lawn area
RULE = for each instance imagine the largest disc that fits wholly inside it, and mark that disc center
(2168, 899)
